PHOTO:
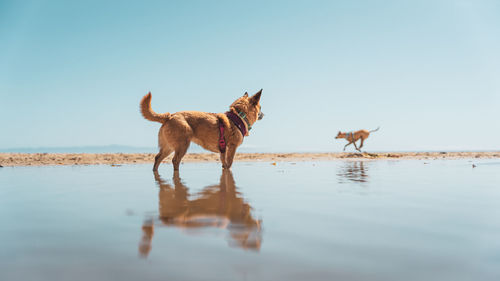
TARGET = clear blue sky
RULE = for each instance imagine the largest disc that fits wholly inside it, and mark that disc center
(428, 72)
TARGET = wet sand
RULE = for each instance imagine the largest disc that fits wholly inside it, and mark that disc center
(44, 159)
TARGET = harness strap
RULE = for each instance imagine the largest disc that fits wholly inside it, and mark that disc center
(222, 141)
(352, 135)
(237, 122)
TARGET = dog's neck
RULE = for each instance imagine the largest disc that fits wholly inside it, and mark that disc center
(242, 115)
(239, 122)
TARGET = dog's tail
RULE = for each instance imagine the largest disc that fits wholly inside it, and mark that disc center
(149, 114)
(375, 129)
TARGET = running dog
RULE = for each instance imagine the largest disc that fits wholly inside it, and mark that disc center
(217, 132)
(353, 137)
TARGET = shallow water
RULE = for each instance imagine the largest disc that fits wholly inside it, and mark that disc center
(341, 220)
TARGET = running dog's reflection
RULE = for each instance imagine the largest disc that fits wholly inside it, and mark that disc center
(355, 171)
(219, 206)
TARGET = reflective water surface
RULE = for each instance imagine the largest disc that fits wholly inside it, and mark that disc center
(355, 171)
(218, 206)
(341, 220)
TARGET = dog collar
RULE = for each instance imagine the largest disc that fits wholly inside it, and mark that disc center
(243, 116)
(237, 120)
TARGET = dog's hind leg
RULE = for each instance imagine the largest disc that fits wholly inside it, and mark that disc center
(362, 141)
(165, 149)
(178, 136)
(180, 151)
(160, 156)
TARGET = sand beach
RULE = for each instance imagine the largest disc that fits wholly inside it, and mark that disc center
(43, 159)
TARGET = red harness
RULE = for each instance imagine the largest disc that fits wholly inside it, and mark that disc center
(237, 122)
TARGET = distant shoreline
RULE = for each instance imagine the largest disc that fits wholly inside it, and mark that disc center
(51, 159)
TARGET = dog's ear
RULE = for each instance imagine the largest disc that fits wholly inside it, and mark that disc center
(255, 98)
(245, 95)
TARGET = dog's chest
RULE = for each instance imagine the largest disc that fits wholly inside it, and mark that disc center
(349, 136)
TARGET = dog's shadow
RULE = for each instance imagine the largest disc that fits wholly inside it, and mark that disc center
(216, 206)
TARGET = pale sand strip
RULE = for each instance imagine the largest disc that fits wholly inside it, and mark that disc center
(42, 159)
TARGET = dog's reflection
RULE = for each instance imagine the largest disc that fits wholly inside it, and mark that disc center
(219, 206)
(356, 171)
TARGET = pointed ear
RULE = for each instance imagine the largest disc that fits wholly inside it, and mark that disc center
(255, 98)
(245, 95)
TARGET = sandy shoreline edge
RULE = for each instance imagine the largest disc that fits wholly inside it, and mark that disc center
(43, 159)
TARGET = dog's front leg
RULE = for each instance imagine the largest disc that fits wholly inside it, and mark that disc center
(347, 145)
(231, 151)
(354, 142)
(223, 160)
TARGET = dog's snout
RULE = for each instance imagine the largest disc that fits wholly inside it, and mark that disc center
(261, 115)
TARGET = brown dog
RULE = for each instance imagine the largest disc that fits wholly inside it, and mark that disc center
(353, 137)
(216, 132)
